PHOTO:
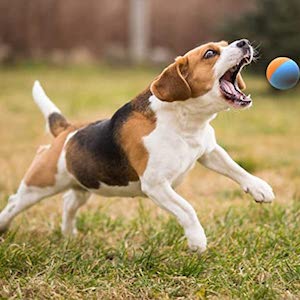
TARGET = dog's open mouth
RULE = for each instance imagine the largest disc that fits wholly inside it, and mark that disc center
(229, 86)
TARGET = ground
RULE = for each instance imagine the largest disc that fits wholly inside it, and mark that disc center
(129, 248)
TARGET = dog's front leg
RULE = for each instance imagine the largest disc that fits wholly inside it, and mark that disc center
(218, 160)
(163, 195)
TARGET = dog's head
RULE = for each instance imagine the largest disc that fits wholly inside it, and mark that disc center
(210, 73)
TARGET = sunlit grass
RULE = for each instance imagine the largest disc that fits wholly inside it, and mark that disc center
(252, 255)
(129, 248)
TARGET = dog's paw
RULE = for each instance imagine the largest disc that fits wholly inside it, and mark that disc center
(197, 248)
(259, 190)
(69, 231)
(198, 244)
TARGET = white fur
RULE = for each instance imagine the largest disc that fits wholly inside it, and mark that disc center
(230, 56)
(46, 106)
(133, 189)
(25, 197)
(73, 200)
(219, 161)
(43, 102)
(182, 136)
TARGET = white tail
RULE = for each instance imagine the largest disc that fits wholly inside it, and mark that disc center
(43, 102)
(48, 108)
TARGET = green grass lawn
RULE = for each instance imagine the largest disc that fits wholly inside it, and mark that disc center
(129, 248)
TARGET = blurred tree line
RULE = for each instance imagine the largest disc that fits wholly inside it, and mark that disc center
(73, 30)
(70, 30)
(273, 26)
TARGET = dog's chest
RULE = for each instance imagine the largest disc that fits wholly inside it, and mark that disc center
(173, 151)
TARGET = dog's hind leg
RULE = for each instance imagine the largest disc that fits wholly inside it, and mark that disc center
(46, 176)
(73, 200)
(25, 197)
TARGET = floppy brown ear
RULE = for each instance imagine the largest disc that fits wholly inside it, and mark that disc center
(223, 43)
(170, 84)
(240, 81)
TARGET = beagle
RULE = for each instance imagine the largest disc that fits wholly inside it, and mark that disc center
(148, 145)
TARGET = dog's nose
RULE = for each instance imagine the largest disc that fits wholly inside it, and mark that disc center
(244, 43)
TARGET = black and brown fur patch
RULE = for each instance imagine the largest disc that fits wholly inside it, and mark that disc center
(140, 123)
(111, 151)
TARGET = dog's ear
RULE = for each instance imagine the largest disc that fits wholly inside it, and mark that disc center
(171, 85)
(240, 81)
(223, 43)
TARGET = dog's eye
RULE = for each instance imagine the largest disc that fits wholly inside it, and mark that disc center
(210, 53)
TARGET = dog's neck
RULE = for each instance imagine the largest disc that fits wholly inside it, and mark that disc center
(188, 116)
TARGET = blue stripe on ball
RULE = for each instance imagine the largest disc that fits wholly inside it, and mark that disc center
(286, 75)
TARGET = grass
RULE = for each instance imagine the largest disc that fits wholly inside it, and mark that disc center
(129, 248)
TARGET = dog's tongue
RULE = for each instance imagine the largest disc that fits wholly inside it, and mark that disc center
(228, 86)
(230, 89)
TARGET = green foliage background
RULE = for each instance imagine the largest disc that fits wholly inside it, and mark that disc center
(273, 26)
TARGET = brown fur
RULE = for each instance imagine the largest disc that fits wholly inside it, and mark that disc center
(57, 124)
(171, 84)
(140, 123)
(141, 103)
(43, 169)
(131, 135)
(199, 73)
(190, 76)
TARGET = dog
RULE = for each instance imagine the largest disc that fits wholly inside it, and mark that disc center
(149, 144)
